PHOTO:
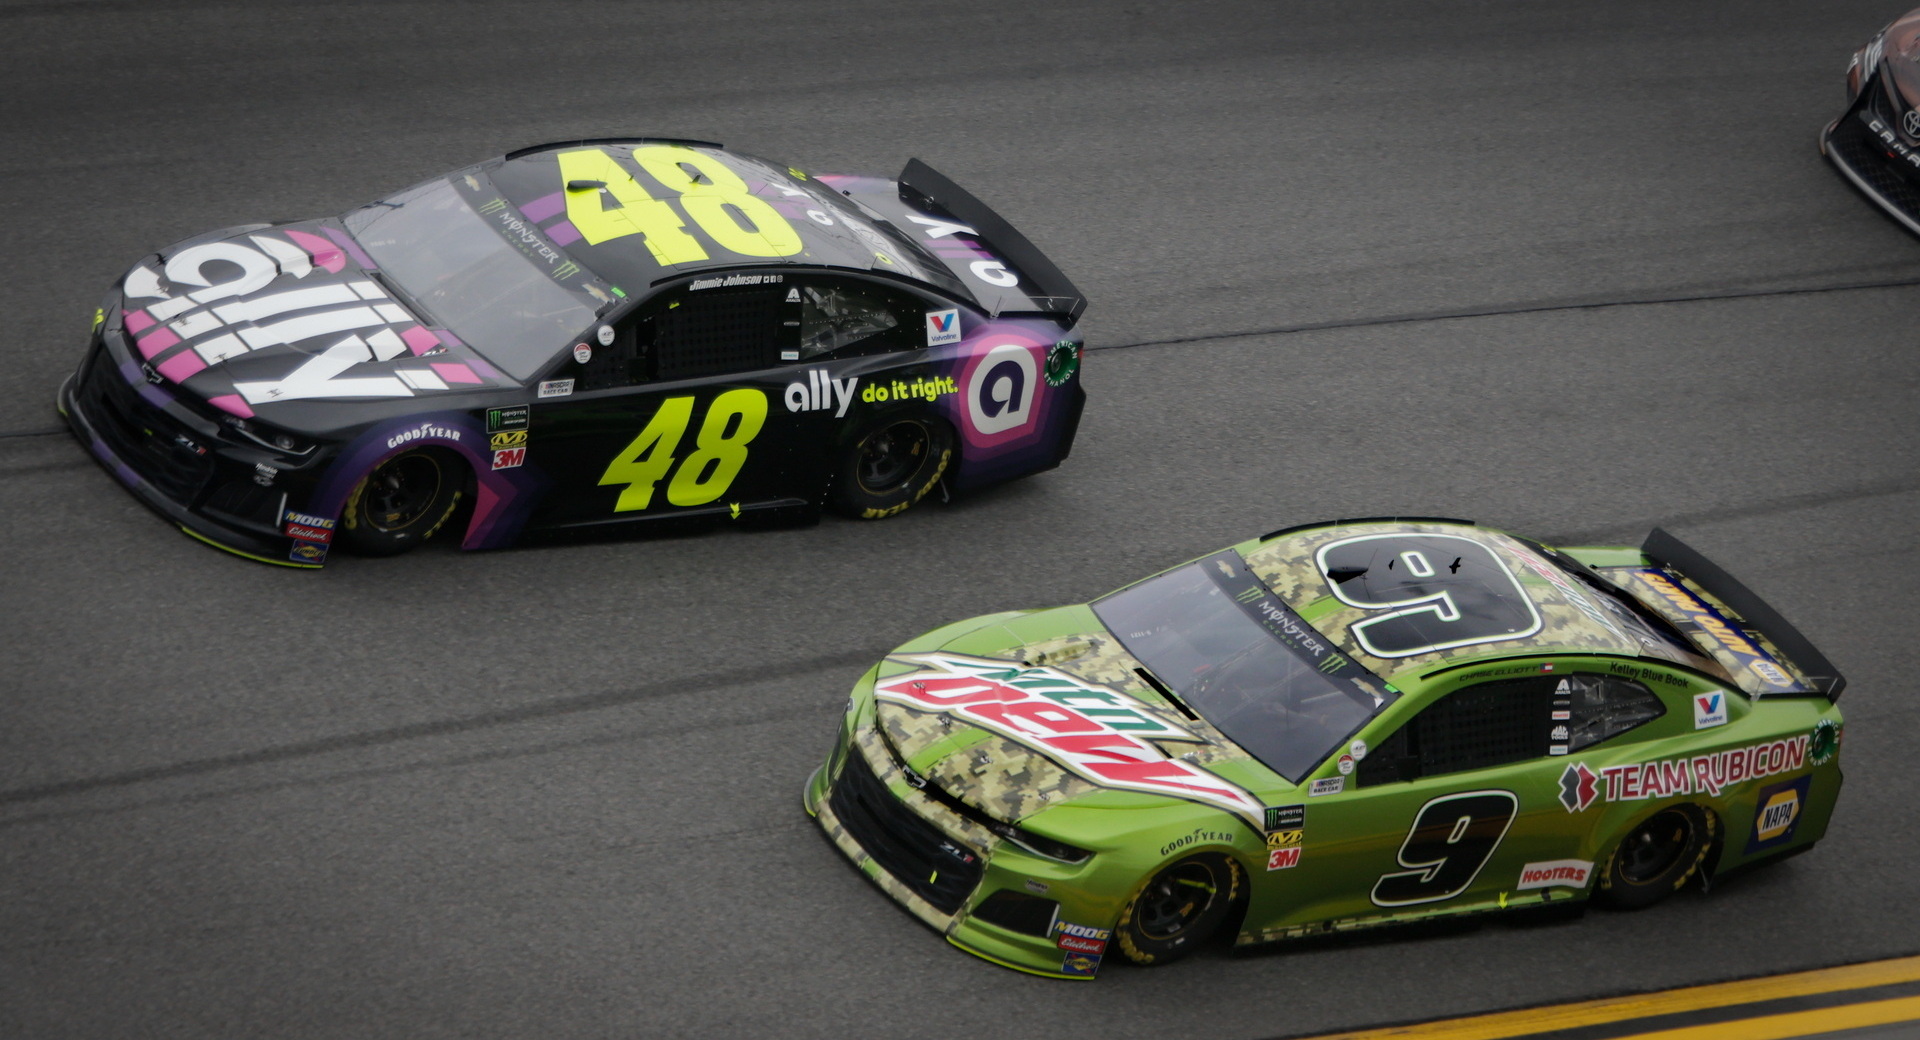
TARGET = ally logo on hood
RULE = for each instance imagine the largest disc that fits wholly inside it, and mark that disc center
(1095, 731)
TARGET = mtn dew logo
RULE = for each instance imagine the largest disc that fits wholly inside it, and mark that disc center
(1095, 731)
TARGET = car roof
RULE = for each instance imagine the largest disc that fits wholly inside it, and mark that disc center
(831, 231)
(1511, 599)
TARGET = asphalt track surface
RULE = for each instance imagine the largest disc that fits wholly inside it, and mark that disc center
(1570, 269)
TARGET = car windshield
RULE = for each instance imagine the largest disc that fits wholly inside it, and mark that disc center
(451, 261)
(1236, 655)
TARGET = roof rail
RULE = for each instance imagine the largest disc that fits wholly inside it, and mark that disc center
(1269, 536)
(518, 152)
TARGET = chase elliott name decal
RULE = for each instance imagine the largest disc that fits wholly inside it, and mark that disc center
(1095, 731)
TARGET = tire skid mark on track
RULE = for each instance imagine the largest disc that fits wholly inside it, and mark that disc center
(439, 728)
(458, 761)
(1536, 307)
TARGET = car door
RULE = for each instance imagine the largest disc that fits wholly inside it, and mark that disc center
(1460, 806)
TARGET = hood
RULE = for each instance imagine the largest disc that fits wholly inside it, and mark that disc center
(1014, 718)
(269, 315)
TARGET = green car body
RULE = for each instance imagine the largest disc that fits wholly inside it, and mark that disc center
(1370, 723)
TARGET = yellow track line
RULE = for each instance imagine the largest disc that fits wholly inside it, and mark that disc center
(1694, 998)
(1797, 1023)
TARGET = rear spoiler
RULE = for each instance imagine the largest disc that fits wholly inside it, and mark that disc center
(925, 188)
(1672, 553)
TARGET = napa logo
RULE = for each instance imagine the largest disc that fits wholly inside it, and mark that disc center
(1776, 813)
(1709, 709)
(943, 327)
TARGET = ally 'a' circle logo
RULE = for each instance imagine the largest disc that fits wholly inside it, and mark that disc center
(1000, 390)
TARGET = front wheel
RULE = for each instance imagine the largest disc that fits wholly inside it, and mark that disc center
(1658, 856)
(1178, 909)
(403, 502)
(891, 466)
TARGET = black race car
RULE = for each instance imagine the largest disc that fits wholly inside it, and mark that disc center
(1875, 143)
(582, 338)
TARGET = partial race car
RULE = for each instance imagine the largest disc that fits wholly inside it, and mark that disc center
(1332, 728)
(580, 339)
(1875, 143)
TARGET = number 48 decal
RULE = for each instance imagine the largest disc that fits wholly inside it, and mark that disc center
(733, 420)
(1452, 838)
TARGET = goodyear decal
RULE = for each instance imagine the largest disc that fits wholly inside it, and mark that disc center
(1721, 634)
(1095, 731)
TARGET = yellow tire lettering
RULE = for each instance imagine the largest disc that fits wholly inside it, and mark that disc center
(638, 213)
(648, 458)
(718, 200)
(721, 448)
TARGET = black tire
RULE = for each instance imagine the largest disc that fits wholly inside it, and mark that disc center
(403, 501)
(1178, 909)
(890, 466)
(1658, 856)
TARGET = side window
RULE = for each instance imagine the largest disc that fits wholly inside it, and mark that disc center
(713, 331)
(845, 317)
(1510, 720)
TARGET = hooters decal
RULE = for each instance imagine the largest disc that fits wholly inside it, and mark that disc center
(1095, 731)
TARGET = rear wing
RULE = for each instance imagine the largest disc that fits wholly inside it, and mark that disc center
(1766, 654)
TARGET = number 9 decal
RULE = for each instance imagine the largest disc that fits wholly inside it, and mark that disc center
(1435, 591)
(1452, 838)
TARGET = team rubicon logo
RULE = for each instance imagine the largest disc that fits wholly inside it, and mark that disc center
(1096, 732)
(1701, 774)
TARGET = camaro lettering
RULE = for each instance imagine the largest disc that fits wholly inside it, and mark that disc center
(1032, 706)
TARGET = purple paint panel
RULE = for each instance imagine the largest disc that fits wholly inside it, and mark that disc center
(325, 255)
(486, 371)
(181, 365)
(232, 403)
(138, 322)
(153, 395)
(353, 249)
(156, 341)
(454, 372)
(563, 233)
(545, 206)
(419, 340)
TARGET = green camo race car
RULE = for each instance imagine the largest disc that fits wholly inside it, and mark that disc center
(1334, 727)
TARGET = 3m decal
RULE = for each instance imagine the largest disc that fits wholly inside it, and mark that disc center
(1433, 592)
(1568, 873)
(732, 421)
(1452, 837)
(821, 392)
(1094, 731)
(1777, 811)
(509, 458)
(1709, 709)
(1283, 859)
(943, 327)
(605, 201)
(1000, 390)
(1697, 774)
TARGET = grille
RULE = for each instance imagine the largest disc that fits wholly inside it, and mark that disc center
(1855, 147)
(918, 854)
(151, 443)
(1018, 912)
(241, 501)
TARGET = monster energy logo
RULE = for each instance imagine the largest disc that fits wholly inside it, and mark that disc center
(494, 206)
(1248, 595)
(566, 270)
(1332, 663)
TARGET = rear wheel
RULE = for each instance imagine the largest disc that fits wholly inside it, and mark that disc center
(403, 501)
(1658, 856)
(1178, 909)
(891, 466)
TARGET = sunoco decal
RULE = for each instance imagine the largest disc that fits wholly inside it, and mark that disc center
(1696, 774)
(1094, 731)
